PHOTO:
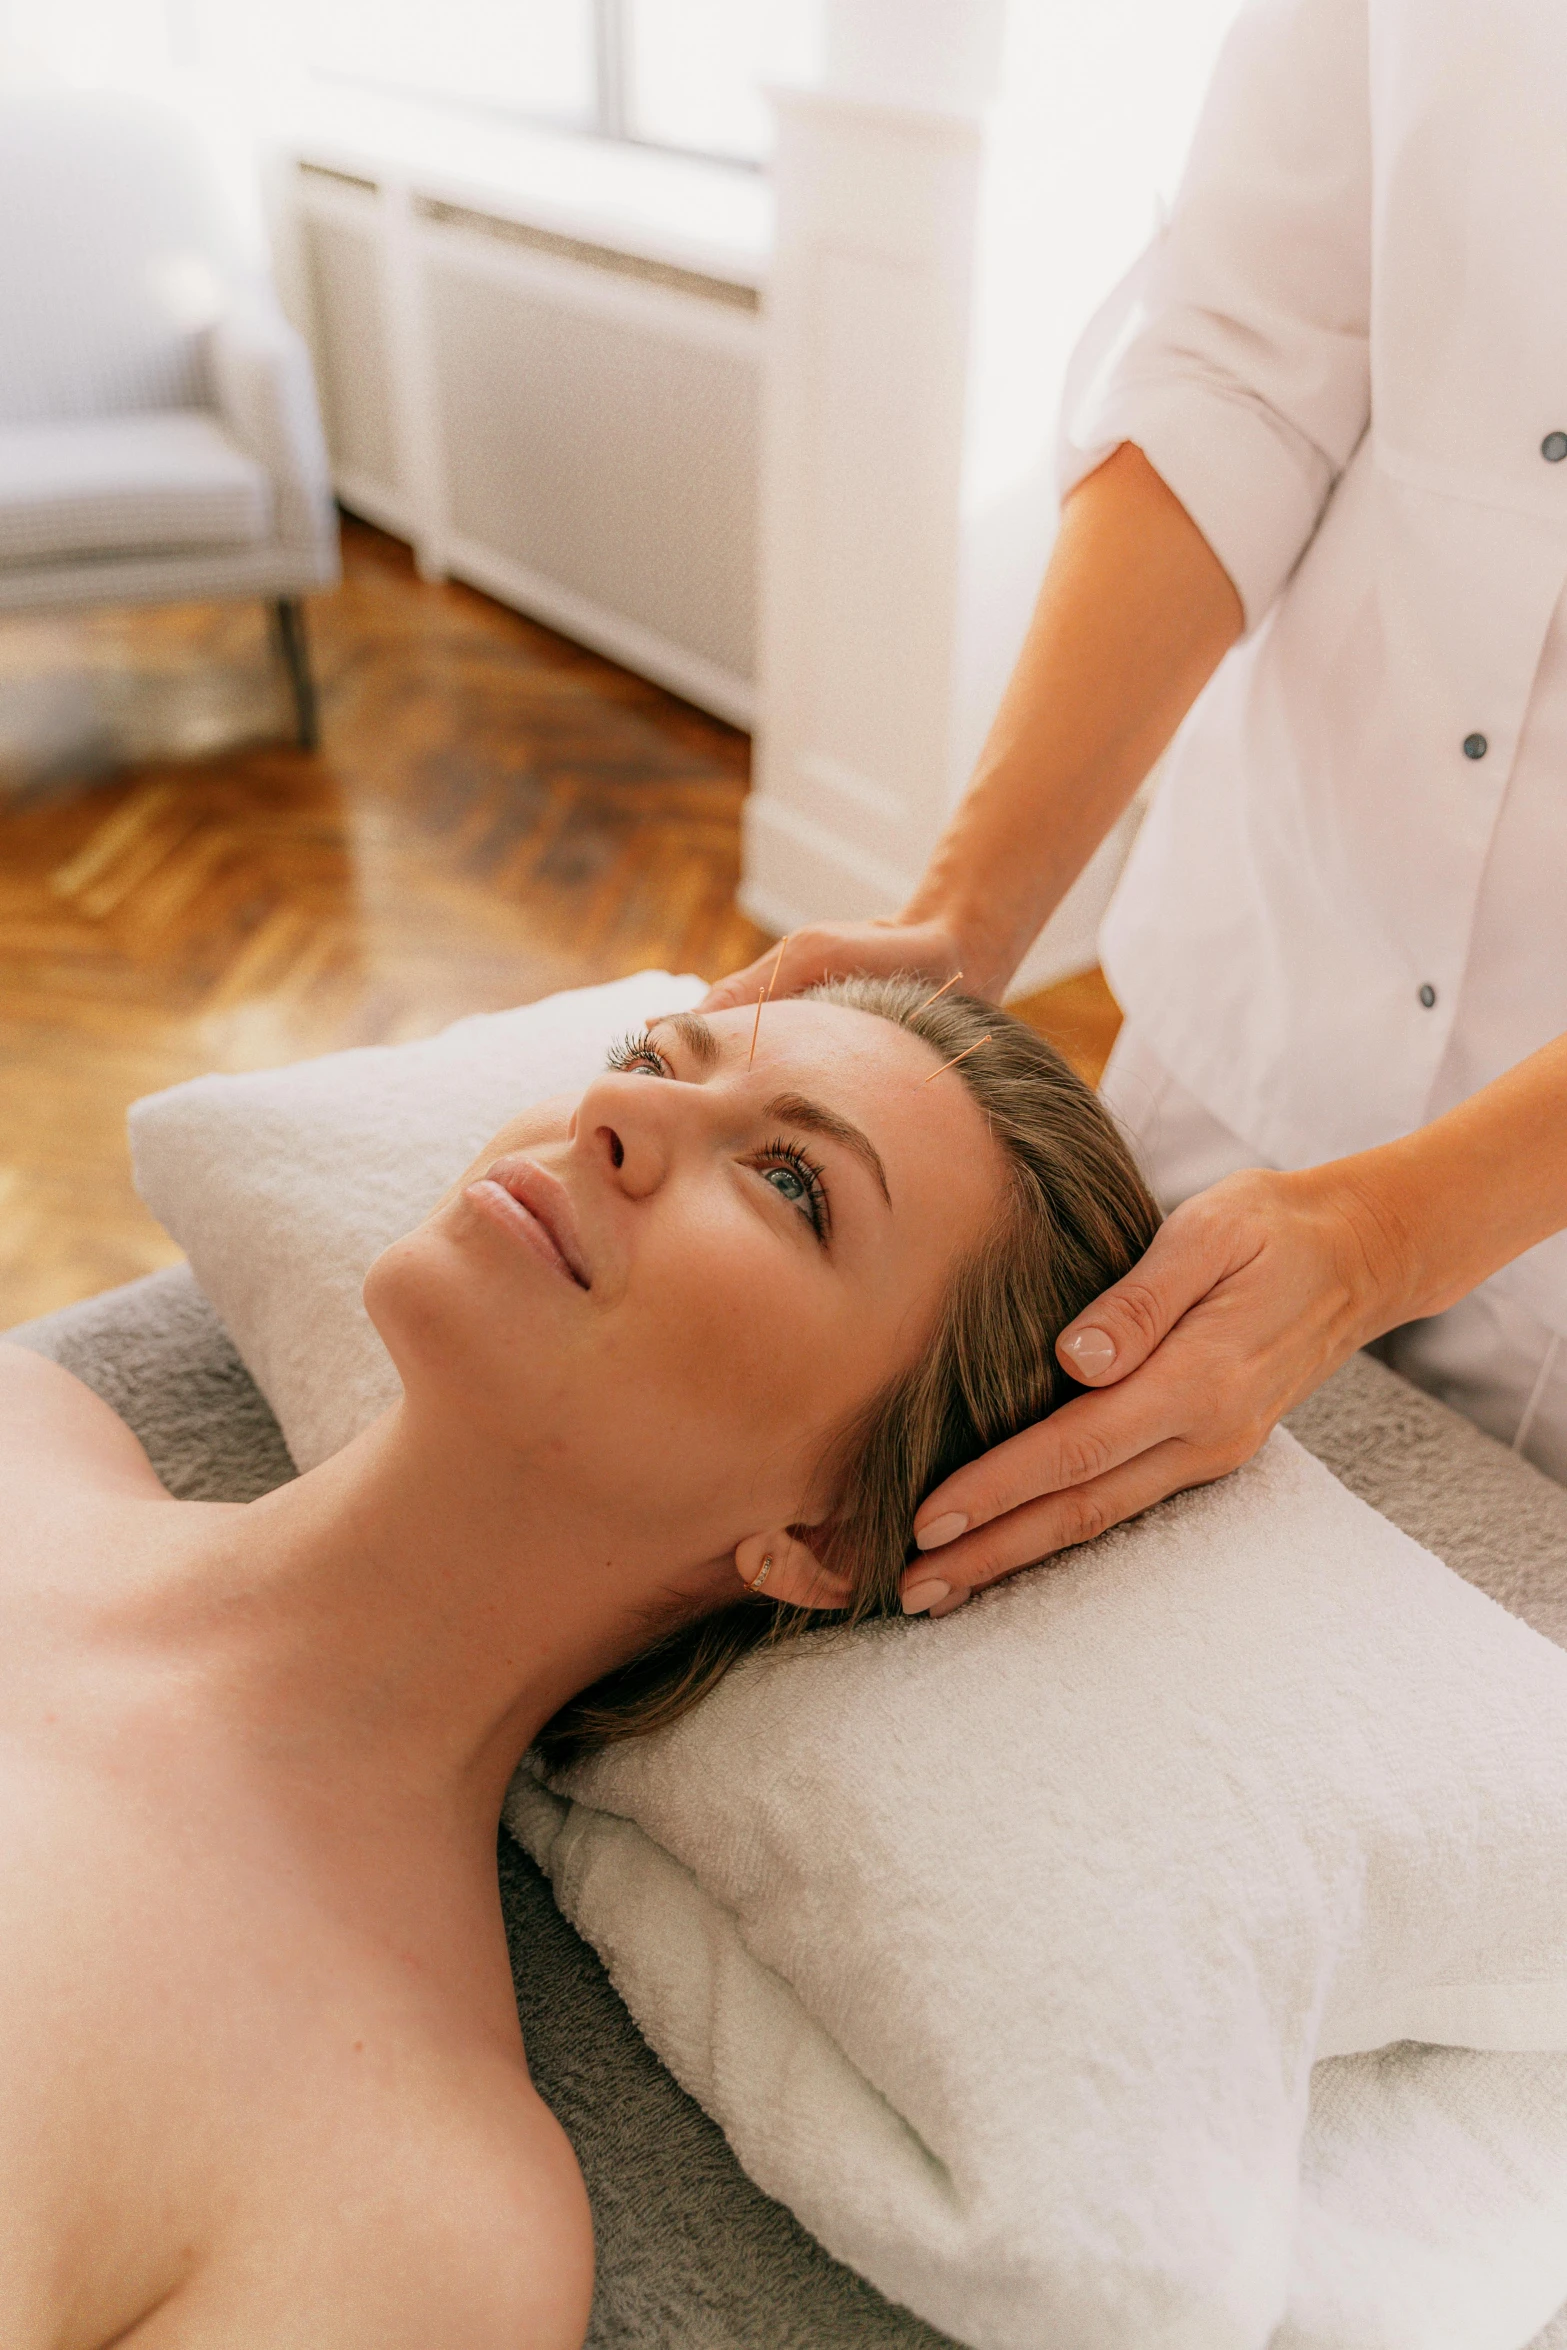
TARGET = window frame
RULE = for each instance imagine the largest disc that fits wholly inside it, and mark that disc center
(608, 118)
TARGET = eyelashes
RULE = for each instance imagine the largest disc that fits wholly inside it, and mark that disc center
(636, 1053)
(786, 1158)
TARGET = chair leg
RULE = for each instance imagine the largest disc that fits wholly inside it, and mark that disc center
(288, 617)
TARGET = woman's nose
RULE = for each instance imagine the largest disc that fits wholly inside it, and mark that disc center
(623, 1121)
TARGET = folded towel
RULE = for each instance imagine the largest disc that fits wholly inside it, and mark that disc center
(1003, 1948)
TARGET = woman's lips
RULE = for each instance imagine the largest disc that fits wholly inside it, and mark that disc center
(534, 1205)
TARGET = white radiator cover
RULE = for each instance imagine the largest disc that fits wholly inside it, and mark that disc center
(571, 428)
(348, 335)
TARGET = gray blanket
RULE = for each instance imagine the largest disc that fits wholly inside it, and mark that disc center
(691, 2256)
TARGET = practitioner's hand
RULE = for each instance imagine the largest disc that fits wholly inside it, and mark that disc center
(1250, 1295)
(843, 950)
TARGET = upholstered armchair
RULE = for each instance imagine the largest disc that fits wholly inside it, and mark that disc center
(159, 434)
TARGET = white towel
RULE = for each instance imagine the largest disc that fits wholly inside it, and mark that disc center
(1431, 2184)
(1003, 1948)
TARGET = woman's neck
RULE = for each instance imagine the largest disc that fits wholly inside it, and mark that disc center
(403, 1609)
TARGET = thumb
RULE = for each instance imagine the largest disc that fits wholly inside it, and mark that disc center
(779, 972)
(741, 987)
(1120, 1330)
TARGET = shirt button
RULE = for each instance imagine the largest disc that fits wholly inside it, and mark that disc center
(1428, 995)
(1475, 746)
(1554, 447)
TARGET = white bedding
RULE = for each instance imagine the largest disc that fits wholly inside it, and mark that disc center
(1004, 1948)
(1412, 2200)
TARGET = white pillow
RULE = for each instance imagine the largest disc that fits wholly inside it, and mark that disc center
(284, 1185)
(1002, 1948)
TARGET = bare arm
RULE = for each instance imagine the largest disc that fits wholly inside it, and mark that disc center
(1134, 615)
(1460, 1198)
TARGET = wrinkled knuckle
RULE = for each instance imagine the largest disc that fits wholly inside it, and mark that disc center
(1084, 1520)
(1138, 1308)
(1082, 1457)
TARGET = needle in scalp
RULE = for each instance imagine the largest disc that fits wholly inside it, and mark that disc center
(952, 1064)
(936, 998)
(772, 976)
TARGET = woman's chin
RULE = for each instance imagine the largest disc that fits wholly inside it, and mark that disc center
(461, 1307)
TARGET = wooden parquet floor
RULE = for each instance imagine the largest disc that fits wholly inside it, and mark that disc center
(494, 813)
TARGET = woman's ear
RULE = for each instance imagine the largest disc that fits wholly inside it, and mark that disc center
(778, 1566)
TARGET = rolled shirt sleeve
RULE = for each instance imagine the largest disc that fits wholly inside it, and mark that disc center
(1236, 352)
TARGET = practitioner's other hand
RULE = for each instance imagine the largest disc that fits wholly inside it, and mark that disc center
(843, 950)
(1250, 1295)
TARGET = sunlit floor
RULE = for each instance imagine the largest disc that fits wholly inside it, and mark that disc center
(493, 813)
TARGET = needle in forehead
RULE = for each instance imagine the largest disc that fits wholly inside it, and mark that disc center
(952, 1064)
(756, 1025)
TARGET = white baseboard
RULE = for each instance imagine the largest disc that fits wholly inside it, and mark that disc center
(622, 640)
(377, 504)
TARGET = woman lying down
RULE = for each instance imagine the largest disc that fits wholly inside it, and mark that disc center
(680, 1360)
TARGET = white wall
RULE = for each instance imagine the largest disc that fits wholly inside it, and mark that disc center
(95, 42)
(953, 203)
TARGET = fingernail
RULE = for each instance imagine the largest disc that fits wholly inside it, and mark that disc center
(920, 1596)
(939, 1530)
(1091, 1350)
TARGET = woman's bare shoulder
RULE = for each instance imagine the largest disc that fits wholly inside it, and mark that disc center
(52, 1426)
(507, 2240)
(464, 2220)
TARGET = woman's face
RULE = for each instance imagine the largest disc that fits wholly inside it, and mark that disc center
(668, 1298)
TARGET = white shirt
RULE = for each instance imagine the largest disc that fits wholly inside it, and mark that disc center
(1347, 356)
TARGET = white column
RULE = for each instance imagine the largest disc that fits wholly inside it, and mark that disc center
(953, 202)
(867, 325)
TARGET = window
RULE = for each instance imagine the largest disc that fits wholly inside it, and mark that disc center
(535, 57)
(684, 74)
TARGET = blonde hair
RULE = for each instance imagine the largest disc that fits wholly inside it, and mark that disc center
(1075, 1217)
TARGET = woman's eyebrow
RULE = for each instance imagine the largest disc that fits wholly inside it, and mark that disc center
(795, 1109)
(694, 1033)
(791, 1109)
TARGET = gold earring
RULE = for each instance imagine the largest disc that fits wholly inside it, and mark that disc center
(762, 1572)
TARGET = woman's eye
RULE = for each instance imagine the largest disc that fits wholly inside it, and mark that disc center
(796, 1179)
(638, 1056)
